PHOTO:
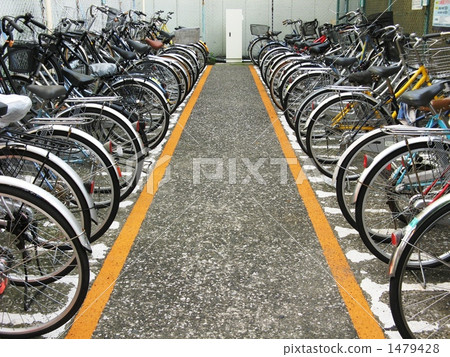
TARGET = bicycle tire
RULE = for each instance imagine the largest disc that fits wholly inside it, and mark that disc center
(165, 75)
(144, 98)
(336, 123)
(47, 303)
(254, 47)
(418, 298)
(93, 164)
(117, 134)
(305, 109)
(49, 172)
(299, 90)
(388, 193)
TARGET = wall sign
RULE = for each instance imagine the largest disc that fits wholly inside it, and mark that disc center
(441, 13)
(416, 5)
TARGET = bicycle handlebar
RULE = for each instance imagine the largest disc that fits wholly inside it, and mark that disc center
(29, 18)
(11, 22)
(387, 30)
(351, 15)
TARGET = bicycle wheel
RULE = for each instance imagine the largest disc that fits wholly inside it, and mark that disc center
(420, 298)
(254, 48)
(299, 90)
(305, 109)
(276, 73)
(181, 73)
(293, 71)
(166, 76)
(47, 171)
(184, 64)
(399, 183)
(266, 61)
(117, 135)
(143, 98)
(336, 123)
(202, 55)
(266, 48)
(91, 162)
(39, 293)
(287, 57)
(352, 163)
(188, 54)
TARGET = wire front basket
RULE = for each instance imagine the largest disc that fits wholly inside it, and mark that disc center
(22, 57)
(434, 54)
(259, 30)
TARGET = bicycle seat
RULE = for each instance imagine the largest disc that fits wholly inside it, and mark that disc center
(421, 96)
(362, 78)
(17, 106)
(340, 61)
(47, 92)
(384, 72)
(441, 104)
(155, 44)
(103, 70)
(77, 79)
(139, 47)
(127, 55)
(320, 48)
(165, 37)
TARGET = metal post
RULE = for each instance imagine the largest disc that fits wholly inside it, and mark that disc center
(272, 14)
(48, 13)
(362, 5)
(338, 9)
(203, 20)
(427, 19)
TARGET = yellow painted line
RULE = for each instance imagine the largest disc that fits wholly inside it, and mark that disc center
(358, 308)
(87, 319)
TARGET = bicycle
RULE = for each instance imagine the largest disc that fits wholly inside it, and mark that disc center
(84, 154)
(360, 154)
(400, 182)
(419, 297)
(340, 119)
(44, 267)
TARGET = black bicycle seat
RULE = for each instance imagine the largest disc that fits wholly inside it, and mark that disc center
(421, 96)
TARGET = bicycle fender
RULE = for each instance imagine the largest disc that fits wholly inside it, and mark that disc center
(416, 223)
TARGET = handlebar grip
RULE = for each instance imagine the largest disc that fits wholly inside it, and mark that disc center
(12, 23)
(434, 35)
(38, 24)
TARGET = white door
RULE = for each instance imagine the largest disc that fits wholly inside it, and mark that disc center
(233, 35)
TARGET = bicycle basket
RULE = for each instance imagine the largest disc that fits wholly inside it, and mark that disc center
(186, 35)
(382, 19)
(22, 57)
(434, 54)
(310, 28)
(258, 30)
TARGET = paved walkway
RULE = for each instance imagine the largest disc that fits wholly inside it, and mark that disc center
(227, 247)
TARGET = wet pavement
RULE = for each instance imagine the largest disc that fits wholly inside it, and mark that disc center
(227, 248)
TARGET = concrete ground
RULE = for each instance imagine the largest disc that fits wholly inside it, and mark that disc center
(227, 248)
